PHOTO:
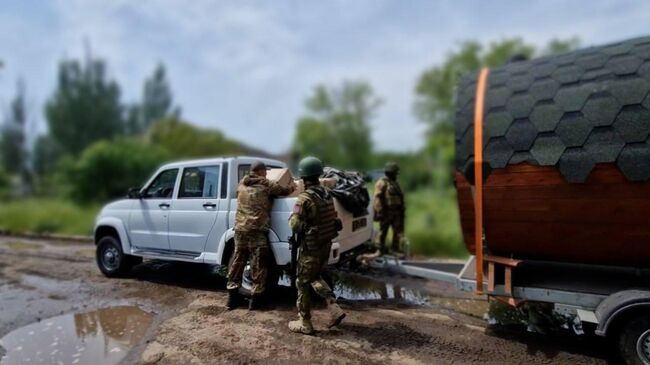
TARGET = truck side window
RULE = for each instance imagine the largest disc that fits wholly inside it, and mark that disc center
(200, 182)
(162, 186)
(243, 170)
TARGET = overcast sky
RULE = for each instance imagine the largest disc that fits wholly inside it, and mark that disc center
(245, 67)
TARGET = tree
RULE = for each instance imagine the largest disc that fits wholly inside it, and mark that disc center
(184, 140)
(118, 165)
(85, 106)
(45, 154)
(434, 104)
(314, 137)
(13, 140)
(157, 98)
(156, 104)
(337, 125)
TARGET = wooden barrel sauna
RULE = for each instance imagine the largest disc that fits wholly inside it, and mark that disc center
(566, 167)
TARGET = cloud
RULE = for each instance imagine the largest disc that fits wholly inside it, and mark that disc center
(246, 67)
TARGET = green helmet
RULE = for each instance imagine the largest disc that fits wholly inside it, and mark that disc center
(391, 167)
(310, 166)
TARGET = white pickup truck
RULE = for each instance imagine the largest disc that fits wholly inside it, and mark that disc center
(186, 212)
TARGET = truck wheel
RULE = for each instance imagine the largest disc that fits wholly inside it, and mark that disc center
(111, 261)
(634, 341)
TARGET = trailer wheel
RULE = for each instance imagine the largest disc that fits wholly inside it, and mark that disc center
(634, 341)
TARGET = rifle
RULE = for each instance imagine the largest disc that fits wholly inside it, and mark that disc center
(295, 240)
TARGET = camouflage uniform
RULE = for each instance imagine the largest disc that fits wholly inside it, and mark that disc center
(252, 222)
(389, 209)
(314, 215)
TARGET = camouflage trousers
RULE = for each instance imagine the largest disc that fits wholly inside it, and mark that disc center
(308, 275)
(249, 245)
(392, 220)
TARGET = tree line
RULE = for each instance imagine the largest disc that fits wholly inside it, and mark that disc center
(96, 146)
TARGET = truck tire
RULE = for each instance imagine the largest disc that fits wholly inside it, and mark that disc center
(111, 260)
(571, 110)
(634, 341)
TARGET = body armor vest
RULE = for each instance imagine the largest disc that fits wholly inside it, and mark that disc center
(394, 196)
(322, 228)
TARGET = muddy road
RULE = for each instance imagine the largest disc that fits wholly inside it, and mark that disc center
(56, 307)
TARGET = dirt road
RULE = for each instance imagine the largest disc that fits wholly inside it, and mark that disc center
(171, 313)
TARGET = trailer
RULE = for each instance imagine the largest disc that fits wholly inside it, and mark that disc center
(615, 301)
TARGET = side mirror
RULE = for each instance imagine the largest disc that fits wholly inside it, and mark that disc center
(134, 193)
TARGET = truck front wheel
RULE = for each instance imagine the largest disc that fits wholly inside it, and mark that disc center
(634, 341)
(111, 260)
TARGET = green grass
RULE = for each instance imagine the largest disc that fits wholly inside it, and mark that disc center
(432, 223)
(47, 216)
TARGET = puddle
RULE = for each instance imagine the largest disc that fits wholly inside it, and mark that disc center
(99, 337)
(357, 287)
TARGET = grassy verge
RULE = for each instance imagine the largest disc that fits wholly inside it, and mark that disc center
(47, 216)
(432, 223)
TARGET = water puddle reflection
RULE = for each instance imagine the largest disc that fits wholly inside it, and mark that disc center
(99, 337)
(357, 287)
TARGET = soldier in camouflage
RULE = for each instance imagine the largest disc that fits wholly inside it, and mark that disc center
(389, 207)
(252, 222)
(315, 219)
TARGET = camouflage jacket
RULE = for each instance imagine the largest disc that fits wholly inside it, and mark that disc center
(388, 197)
(254, 200)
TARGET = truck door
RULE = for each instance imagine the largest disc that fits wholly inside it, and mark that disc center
(196, 209)
(148, 221)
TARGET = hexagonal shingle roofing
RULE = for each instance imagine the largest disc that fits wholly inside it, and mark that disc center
(571, 111)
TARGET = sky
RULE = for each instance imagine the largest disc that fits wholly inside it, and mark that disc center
(246, 67)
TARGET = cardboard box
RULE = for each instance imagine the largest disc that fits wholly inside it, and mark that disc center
(329, 182)
(280, 176)
(300, 187)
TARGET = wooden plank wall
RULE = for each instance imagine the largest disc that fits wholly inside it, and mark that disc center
(532, 212)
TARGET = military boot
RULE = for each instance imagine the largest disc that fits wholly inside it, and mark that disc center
(256, 302)
(234, 299)
(301, 326)
(336, 313)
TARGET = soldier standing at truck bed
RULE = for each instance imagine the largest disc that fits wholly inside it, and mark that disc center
(389, 207)
(252, 222)
(317, 224)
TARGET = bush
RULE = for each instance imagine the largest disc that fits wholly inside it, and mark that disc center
(107, 169)
(432, 223)
(47, 216)
(5, 185)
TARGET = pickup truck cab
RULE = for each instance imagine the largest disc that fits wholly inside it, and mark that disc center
(186, 212)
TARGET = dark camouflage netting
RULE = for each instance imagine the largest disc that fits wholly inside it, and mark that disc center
(350, 190)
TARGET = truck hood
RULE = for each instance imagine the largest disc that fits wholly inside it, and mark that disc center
(110, 208)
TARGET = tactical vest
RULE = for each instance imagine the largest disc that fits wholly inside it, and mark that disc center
(322, 227)
(394, 196)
